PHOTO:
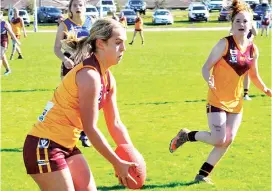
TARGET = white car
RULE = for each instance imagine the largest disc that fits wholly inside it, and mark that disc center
(198, 12)
(109, 4)
(162, 16)
(92, 11)
(22, 13)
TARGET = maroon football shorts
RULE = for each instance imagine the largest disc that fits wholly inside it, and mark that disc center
(42, 155)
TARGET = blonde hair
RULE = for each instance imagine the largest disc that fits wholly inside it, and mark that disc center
(238, 6)
(81, 48)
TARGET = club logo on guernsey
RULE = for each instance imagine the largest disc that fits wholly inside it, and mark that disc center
(233, 56)
(43, 143)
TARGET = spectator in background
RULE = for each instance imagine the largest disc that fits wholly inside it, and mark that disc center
(265, 22)
(123, 19)
(5, 29)
(138, 28)
(17, 24)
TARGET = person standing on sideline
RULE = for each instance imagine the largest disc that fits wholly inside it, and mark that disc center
(230, 60)
(138, 28)
(17, 24)
(265, 22)
(50, 154)
(5, 29)
(79, 24)
(123, 19)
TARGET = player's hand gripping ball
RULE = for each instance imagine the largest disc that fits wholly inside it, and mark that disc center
(128, 153)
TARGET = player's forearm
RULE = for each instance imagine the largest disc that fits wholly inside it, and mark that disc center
(257, 81)
(205, 73)
(101, 145)
(59, 54)
(120, 134)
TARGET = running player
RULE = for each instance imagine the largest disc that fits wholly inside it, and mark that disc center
(230, 60)
(5, 29)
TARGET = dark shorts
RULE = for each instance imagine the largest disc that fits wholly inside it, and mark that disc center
(138, 30)
(211, 109)
(65, 70)
(42, 155)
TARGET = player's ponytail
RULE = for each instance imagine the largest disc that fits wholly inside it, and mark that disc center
(236, 6)
(81, 48)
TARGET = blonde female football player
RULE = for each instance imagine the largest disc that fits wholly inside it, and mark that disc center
(230, 60)
(50, 153)
(80, 25)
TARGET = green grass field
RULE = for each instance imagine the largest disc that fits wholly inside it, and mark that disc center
(160, 90)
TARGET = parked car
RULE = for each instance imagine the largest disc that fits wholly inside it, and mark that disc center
(162, 16)
(22, 13)
(252, 3)
(105, 11)
(92, 11)
(130, 15)
(136, 5)
(48, 14)
(224, 15)
(215, 5)
(260, 10)
(109, 4)
(198, 12)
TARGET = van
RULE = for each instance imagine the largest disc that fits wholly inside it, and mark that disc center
(91, 11)
(110, 4)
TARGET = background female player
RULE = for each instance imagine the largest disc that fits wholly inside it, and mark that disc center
(230, 60)
(17, 24)
(50, 153)
(138, 28)
(5, 29)
(79, 24)
(265, 23)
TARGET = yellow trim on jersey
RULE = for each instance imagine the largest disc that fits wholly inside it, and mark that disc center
(38, 158)
(81, 24)
(47, 160)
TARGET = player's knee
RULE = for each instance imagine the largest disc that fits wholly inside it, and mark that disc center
(220, 141)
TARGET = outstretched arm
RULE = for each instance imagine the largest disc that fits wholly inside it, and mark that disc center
(116, 128)
(254, 74)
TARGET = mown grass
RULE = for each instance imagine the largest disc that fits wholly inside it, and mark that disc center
(160, 90)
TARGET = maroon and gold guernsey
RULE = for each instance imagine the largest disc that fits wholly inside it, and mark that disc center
(60, 120)
(229, 73)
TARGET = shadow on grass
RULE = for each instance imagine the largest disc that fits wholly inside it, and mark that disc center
(11, 150)
(151, 186)
(33, 90)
